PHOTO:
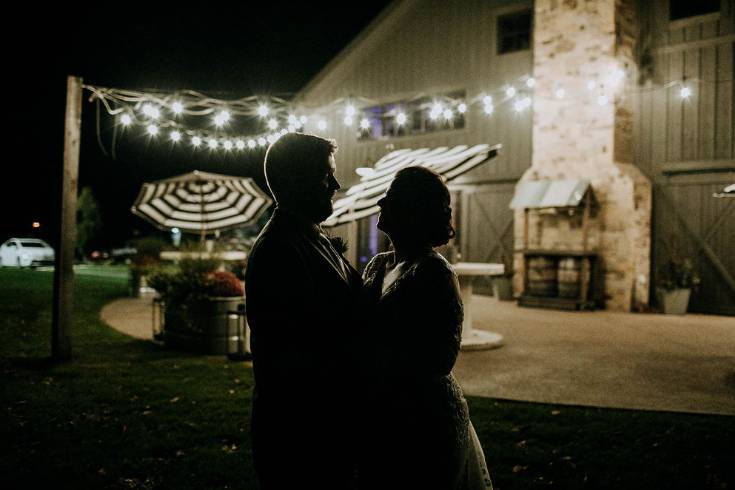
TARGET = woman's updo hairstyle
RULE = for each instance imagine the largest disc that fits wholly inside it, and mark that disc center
(422, 205)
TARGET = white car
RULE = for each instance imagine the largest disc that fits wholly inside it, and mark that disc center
(26, 252)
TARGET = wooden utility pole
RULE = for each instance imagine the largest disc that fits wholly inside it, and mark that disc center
(64, 262)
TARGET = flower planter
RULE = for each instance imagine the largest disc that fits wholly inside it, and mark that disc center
(502, 288)
(673, 301)
(202, 326)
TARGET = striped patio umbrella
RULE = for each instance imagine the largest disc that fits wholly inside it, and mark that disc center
(201, 202)
(361, 200)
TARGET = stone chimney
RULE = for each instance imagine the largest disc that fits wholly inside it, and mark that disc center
(584, 60)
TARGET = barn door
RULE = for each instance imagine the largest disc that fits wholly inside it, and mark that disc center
(689, 221)
(487, 227)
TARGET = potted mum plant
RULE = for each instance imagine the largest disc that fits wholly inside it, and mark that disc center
(675, 283)
(197, 300)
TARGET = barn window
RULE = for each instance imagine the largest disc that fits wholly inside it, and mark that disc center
(681, 9)
(514, 32)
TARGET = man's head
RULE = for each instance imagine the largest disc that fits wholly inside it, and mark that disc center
(299, 169)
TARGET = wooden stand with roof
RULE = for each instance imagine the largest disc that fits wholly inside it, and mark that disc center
(562, 198)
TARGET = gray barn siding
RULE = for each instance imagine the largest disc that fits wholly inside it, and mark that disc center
(686, 147)
(440, 46)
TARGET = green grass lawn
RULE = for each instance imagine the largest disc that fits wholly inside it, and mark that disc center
(128, 414)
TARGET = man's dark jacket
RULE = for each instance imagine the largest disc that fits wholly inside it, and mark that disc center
(302, 309)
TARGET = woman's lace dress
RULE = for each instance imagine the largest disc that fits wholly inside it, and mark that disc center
(418, 432)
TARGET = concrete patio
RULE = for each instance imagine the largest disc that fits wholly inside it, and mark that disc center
(622, 360)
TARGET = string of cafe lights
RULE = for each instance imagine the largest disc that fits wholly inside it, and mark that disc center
(160, 114)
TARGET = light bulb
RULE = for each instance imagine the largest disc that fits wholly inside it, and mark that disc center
(401, 118)
(531, 82)
(239, 144)
(462, 108)
(152, 129)
(560, 93)
(251, 144)
(177, 108)
(212, 143)
(350, 110)
(685, 92)
(263, 110)
(510, 92)
(228, 145)
(125, 119)
(487, 100)
(322, 125)
(175, 136)
(272, 124)
(262, 141)
(196, 141)
(488, 109)
(448, 114)
(347, 120)
(364, 123)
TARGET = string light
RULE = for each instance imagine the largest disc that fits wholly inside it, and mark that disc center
(125, 104)
(151, 111)
(221, 118)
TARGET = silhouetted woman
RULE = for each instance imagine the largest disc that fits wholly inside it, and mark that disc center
(418, 432)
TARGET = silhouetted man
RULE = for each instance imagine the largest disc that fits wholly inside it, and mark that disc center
(302, 300)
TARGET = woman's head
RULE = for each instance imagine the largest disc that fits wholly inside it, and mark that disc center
(416, 208)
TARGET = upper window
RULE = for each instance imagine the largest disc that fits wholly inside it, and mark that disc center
(681, 9)
(514, 32)
(32, 245)
(418, 116)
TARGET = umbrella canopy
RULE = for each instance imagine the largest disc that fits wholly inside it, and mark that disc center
(201, 202)
(361, 200)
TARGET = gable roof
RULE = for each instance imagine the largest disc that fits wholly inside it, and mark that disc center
(345, 61)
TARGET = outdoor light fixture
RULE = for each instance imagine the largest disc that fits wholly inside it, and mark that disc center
(448, 114)
(228, 145)
(262, 141)
(685, 92)
(196, 141)
(272, 124)
(263, 110)
(531, 82)
(322, 125)
(401, 118)
(36, 224)
(175, 136)
(212, 143)
(152, 129)
(487, 100)
(251, 144)
(348, 120)
(240, 144)
(617, 77)
(510, 92)
(177, 108)
(462, 108)
(350, 110)
(488, 109)
(364, 123)
(125, 119)
(151, 111)
(221, 118)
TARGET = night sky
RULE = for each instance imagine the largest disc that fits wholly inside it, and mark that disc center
(226, 51)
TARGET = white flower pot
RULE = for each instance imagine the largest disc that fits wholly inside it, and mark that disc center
(674, 301)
